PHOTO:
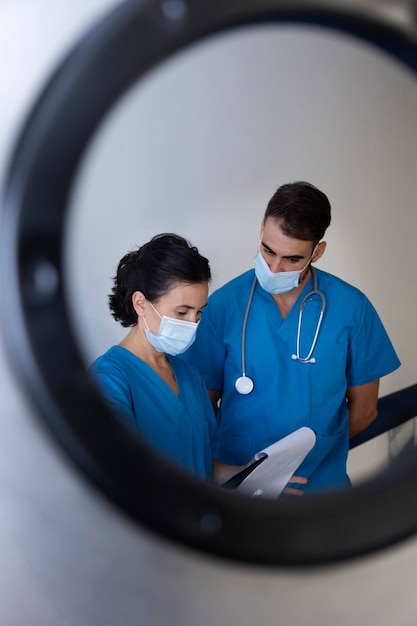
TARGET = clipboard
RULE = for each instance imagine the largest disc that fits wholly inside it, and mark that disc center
(274, 466)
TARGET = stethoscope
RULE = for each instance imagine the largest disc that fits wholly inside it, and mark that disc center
(244, 384)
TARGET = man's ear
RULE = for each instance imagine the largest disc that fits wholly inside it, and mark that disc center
(319, 251)
(139, 303)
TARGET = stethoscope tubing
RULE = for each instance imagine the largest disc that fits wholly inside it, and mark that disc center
(244, 384)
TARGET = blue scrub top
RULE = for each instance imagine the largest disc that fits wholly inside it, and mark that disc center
(183, 428)
(353, 348)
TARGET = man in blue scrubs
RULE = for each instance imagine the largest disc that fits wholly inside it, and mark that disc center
(292, 378)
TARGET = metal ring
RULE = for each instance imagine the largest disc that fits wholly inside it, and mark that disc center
(40, 338)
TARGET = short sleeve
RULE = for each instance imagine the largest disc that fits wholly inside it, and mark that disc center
(371, 354)
(116, 391)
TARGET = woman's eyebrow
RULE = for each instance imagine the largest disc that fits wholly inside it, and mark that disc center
(189, 307)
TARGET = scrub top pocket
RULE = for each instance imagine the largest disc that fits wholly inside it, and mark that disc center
(328, 373)
(326, 463)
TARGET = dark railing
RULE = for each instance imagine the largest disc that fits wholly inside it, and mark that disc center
(393, 410)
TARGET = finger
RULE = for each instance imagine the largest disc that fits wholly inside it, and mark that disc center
(292, 492)
(302, 480)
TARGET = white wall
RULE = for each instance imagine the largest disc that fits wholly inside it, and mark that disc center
(68, 558)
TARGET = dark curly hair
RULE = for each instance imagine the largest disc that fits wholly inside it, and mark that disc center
(154, 269)
(303, 209)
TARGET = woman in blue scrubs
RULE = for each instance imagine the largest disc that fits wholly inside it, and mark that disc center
(333, 389)
(159, 292)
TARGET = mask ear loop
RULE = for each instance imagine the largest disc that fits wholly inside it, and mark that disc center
(308, 265)
(160, 316)
(144, 318)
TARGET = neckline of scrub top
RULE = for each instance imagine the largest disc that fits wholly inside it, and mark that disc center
(293, 312)
(151, 372)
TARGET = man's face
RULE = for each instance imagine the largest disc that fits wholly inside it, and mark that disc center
(283, 253)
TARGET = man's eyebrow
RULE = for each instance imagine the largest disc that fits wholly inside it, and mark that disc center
(294, 256)
(286, 256)
(268, 248)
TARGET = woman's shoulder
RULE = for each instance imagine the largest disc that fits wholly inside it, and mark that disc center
(114, 358)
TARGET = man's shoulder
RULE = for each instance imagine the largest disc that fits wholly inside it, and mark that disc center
(234, 285)
(337, 284)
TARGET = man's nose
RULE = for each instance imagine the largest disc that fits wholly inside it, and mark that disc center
(276, 265)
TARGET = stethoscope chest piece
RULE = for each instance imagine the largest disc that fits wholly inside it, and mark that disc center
(244, 385)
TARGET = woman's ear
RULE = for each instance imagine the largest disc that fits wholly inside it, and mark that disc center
(319, 251)
(139, 303)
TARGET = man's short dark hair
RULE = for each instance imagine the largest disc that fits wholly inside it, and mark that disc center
(302, 210)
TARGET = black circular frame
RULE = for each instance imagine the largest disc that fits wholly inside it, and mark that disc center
(39, 333)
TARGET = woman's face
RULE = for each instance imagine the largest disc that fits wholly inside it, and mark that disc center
(184, 301)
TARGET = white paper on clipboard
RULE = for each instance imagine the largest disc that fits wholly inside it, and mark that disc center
(282, 459)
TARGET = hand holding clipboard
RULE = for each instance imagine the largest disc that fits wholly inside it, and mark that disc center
(273, 467)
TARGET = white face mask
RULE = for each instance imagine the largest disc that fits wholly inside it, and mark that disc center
(277, 282)
(174, 336)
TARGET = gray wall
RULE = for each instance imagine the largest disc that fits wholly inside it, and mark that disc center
(215, 133)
